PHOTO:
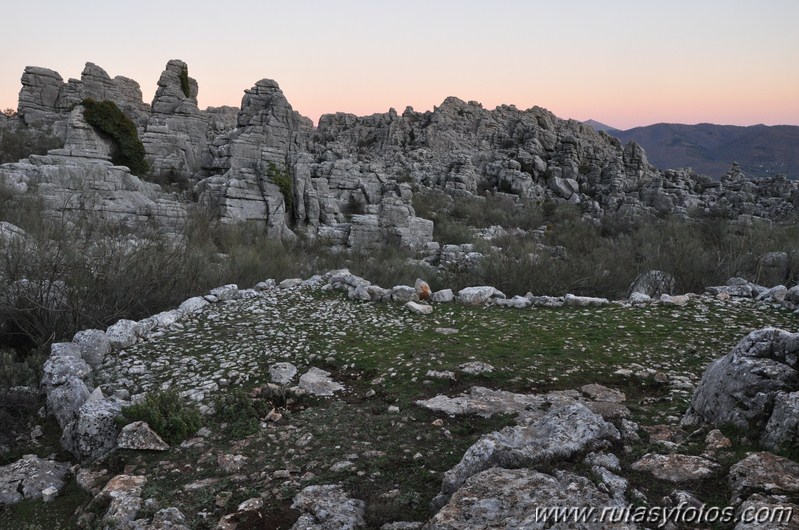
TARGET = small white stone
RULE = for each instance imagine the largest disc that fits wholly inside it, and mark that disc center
(49, 494)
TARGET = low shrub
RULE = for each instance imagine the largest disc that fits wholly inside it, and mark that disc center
(241, 413)
(282, 179)
(110, 121)
(167, 414)
(20, 142)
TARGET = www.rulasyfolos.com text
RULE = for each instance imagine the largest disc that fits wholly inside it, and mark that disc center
(682, 513)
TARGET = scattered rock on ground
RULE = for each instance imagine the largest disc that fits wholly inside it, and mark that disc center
(419, 309)
(508, 498)
(561, 433)
(318, 382)
(138, 435)
(476, 367)
(326, 507)
(676, 467)
(29, 477)
(282, 373)
(764, 473)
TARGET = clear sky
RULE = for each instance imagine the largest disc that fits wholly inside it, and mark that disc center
(622, 62)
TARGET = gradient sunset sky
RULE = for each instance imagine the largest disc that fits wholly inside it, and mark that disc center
(622, 62)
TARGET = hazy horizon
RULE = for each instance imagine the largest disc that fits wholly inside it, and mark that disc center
(727, 63)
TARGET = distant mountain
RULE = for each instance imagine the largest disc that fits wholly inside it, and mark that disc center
(600, 126)
(709, 149)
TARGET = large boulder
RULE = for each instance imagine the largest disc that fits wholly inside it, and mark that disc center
(513, 498)
(122, 494)
(653, 284)
(478, 295)
(123, 334)
(774, 267)
(59, 368)
(749, 385)
(782, 429)
(94, 433)
(94, 346)
(29, 477)
(64, 401)
(562, 433)
(327, 506)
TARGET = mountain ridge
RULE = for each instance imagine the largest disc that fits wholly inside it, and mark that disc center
(760, 150)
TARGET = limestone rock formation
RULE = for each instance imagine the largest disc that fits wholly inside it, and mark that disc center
(45, 100)
(753, 387)
(349, 180)
(175, 137)
(79, 179)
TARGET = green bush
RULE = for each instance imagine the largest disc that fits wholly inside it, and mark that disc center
(282, 179)
(111, 122)
(241, 413)
(184, 81)
(167, 414)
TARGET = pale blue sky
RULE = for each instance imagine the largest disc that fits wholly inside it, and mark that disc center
(622, 62)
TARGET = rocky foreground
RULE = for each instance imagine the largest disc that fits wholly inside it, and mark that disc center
(401, 408)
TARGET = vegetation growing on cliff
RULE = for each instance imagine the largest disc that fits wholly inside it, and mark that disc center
(282, 179)
(184, 81)
(111, 122)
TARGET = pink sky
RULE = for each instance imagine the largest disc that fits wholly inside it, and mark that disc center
(620, 62)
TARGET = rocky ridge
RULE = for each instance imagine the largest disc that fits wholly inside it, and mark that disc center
(351, 177)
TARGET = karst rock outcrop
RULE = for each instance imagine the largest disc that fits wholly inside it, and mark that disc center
(349, 180)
